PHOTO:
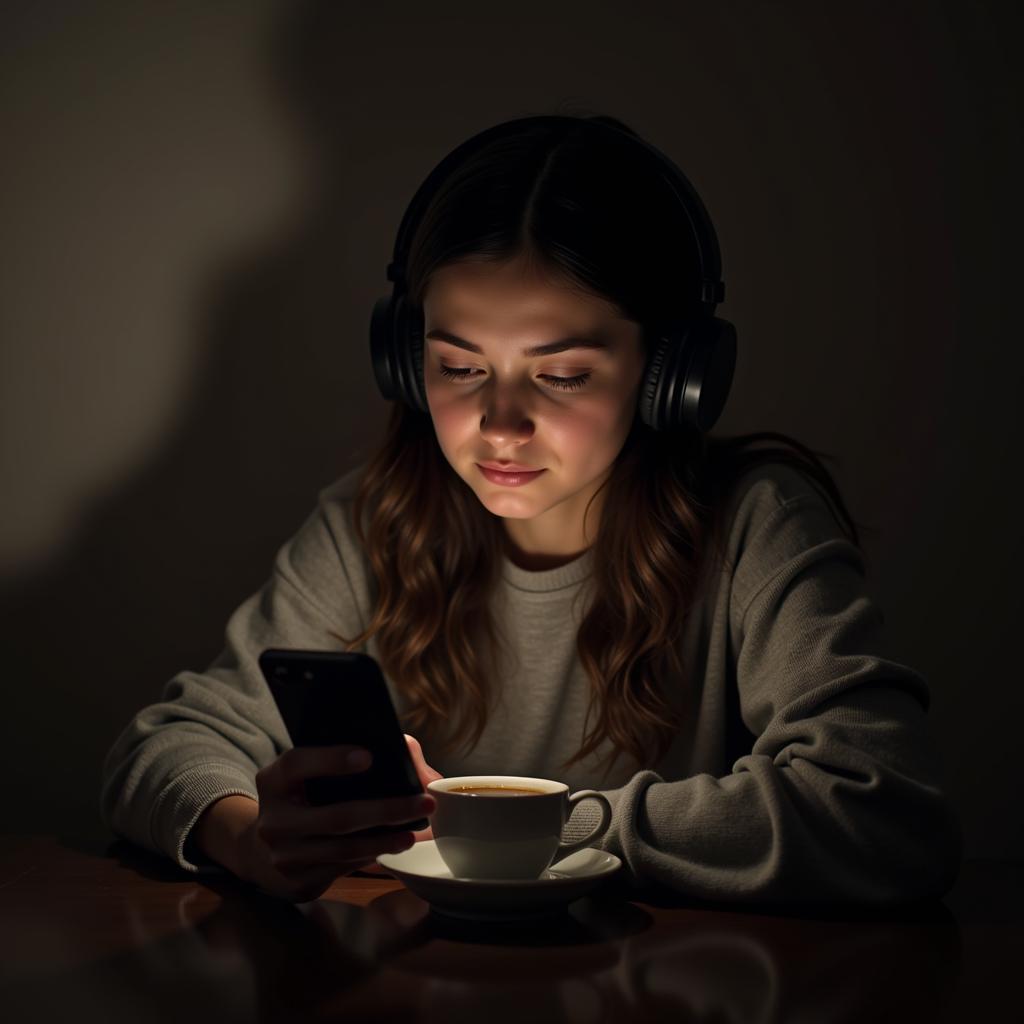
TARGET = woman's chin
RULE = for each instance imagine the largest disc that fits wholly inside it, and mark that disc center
(509, 506)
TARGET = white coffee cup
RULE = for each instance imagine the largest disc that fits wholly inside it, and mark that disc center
(501, 836)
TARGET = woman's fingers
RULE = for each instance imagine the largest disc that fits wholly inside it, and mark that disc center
(423, 770)
(284, 822)
(286, 775)
(424, 834)
(346, 854)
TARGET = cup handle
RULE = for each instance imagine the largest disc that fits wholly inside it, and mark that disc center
(564, 849)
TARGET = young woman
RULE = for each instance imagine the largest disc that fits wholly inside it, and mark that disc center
(634, 606)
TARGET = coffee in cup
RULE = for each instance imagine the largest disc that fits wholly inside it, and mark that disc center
(495, 791)
(506, 826)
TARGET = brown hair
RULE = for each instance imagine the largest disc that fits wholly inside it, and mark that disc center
(575, 203)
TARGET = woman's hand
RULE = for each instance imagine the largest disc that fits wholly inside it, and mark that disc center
(295, 851)
(426, 774)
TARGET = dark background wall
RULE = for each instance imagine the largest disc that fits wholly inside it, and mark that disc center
(198, 204)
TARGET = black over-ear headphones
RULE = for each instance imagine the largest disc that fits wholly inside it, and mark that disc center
(690, 369)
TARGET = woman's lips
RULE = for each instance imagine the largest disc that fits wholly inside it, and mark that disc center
(508, 467)
(511, 479)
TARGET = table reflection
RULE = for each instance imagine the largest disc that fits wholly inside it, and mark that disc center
(213, 949)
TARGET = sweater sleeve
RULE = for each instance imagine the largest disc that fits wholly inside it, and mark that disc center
(840, 799)
(212, 731)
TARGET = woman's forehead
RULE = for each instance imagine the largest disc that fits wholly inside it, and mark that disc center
(485, 293)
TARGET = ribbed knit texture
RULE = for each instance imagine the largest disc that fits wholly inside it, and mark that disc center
(803, 771)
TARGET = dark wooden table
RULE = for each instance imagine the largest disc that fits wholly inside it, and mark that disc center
(91, 930)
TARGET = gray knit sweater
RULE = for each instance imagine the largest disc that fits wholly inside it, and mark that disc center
(803, 773)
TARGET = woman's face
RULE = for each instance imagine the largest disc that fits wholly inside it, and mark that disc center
(504, 404)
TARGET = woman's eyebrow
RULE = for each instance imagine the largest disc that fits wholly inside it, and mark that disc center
(437, 334)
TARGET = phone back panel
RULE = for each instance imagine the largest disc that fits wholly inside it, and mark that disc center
(333, 697)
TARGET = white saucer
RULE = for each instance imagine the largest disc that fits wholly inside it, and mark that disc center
(484, 899)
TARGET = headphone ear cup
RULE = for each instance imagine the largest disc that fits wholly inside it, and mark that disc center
(414, 345)
(689, 375)
(396, 348)
(649, 385)
(382, 353)
(408, 353)
(715, 364)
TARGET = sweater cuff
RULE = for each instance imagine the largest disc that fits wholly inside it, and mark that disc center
(181, 803)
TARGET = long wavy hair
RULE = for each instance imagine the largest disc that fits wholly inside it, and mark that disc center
(577, 203)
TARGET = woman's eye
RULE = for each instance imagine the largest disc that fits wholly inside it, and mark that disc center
(563, 383)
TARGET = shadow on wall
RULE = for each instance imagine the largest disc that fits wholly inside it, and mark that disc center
(158, 565)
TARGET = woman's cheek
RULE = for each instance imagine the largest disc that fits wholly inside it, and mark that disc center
(447, 417)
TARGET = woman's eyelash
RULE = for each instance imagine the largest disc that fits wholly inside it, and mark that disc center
(563, 383)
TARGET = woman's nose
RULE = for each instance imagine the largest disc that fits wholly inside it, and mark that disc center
(505, 424)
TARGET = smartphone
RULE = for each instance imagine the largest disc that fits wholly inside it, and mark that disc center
(333, 697)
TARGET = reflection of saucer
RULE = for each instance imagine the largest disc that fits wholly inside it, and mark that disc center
(484, 899)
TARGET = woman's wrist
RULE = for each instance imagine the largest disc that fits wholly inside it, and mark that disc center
(220, 832)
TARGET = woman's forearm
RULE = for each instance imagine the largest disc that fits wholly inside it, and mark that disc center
(218, 832)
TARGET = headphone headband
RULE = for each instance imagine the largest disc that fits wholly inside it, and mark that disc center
(712, 288)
